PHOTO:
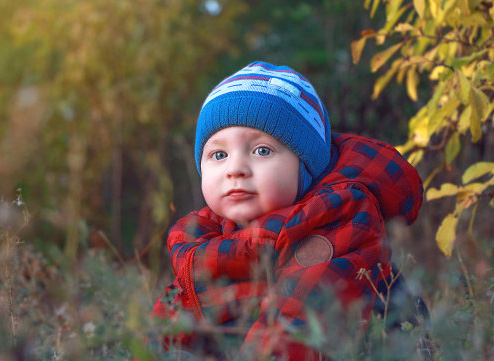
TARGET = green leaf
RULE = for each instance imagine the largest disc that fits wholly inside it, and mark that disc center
(452, 148)
(477, 170)
(446, 190)
(446, 234)
(382, 57)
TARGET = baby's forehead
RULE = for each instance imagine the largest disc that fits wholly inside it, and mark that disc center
(246, 133)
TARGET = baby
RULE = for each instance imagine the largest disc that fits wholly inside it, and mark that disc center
(292, 212)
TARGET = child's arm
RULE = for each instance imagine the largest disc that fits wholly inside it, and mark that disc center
(201, 253)
(349, 218)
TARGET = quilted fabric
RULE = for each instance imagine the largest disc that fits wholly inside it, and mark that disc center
(224, 272)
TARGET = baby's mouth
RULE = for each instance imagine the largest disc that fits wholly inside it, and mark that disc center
(239, 194)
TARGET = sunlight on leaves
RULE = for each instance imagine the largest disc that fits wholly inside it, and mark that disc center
(477, 170)
(446, 234)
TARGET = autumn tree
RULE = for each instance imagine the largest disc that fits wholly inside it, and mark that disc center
(449, 45)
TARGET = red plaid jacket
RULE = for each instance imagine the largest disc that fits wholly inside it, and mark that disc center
(268, 268)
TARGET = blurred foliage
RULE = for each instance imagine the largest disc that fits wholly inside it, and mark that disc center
(98, 102)
(450, 41)
(92, 93)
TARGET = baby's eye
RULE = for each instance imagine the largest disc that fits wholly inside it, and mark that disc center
(219, 155)
(262, 151)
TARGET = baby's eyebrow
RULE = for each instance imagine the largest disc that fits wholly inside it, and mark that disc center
(215, 142)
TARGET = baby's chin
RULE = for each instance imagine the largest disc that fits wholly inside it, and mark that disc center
(243, 220)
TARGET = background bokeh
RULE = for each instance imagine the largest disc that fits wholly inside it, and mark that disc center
(98, 101)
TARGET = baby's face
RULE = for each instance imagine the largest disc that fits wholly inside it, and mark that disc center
(247, 173)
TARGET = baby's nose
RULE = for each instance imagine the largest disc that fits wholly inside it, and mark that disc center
(238, 166)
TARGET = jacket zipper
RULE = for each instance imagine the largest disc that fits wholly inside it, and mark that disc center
(192, 301)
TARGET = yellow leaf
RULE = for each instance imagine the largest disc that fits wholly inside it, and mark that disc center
(473, 20)
(479, 105)
(475, 188)
(415, 60)
(412, 83)
(419, 7)
(477, 170)
(382, 81)
(475, 126)
(394, 16)
(404, 27)
(434, 8)
(357, 46)
(437, 72)
(382, 57)
(452, 148)
(464, 87)
(392, 7)
(433, 103)
(446, 234)
(418, 128)
(439, 118)
(405, 148)
(464, 122)
(400, 74)
(431, 176)
(380, 39)
(464, 7)
(483, 102)
(446, 190)
(415, 157)
(375, 4)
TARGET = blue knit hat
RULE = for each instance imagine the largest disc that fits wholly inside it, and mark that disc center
(278, 101)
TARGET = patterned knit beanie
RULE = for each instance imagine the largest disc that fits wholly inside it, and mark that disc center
(278, 101)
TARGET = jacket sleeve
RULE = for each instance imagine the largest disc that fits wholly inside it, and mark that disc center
(200, 252)
(347, 217)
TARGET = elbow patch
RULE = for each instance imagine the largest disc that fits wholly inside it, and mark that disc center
(314, 249)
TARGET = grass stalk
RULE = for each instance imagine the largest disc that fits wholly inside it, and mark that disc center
(10, 284)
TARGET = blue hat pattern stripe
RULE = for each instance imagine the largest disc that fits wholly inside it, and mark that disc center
(280, 69)
(239, 77)
(280, 88)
